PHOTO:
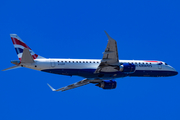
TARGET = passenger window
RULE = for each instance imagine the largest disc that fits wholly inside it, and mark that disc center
(73, 61)
(86, 61)
(146, 63)
(69, 61)
(79, 61)
(76, 61)
(93, 62)
(62, 61)
(90, 62)
(83, 62)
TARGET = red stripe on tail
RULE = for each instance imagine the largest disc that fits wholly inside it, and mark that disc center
(18, 42)
(34, 56)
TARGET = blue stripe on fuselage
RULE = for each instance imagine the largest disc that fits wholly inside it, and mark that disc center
(89, 73)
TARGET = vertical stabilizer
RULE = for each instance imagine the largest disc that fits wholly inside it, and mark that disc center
(19, 46)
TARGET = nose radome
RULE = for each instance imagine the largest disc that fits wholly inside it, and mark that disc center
(173, 71)
(176, 72)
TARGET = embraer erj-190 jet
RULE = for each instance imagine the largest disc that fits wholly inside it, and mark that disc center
(100, 72)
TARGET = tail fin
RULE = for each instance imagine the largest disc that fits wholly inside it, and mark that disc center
(19, 46)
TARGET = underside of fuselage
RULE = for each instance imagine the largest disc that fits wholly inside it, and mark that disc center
(89, 73)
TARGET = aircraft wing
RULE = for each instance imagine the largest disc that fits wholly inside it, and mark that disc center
(110, 60)
(74, 85)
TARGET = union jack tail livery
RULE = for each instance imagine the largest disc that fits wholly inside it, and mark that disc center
(19, 46)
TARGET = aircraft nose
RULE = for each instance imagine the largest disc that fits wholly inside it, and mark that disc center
(175, 73)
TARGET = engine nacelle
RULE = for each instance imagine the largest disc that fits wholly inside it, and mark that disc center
(107, 84)
(127, 67)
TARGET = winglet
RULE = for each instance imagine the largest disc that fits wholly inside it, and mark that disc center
(110, 38)
(51, 87)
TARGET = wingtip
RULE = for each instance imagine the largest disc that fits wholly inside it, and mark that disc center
(51, 87)
(109, 37)
(106, 33)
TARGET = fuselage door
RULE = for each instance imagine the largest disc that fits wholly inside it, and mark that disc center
(52, 63)
(160, 65)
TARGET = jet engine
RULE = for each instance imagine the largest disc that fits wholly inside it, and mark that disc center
(127, 67)
(107, 84)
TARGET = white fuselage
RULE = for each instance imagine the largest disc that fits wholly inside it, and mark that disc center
(86, 68)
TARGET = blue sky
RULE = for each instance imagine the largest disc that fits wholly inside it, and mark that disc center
(144, 30)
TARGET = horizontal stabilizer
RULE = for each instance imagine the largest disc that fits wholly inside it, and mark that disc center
(10, 68)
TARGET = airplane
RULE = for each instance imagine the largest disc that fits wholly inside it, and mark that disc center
(100, 72)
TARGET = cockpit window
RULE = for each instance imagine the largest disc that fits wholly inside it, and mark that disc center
(166, 64)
